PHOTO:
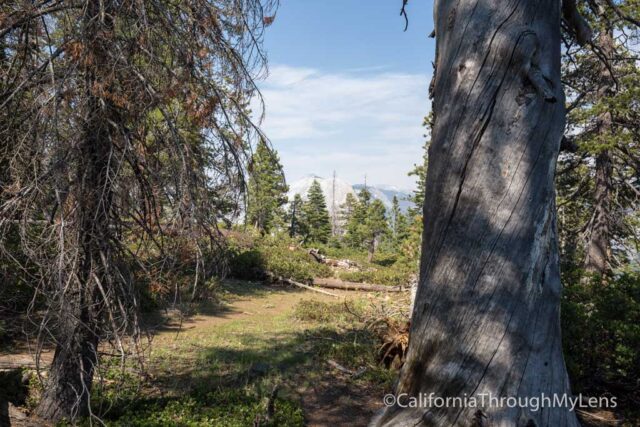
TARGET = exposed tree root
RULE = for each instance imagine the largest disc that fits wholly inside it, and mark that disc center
(394, 336)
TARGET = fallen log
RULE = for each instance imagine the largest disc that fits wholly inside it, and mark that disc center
(331, 283)
(300, 285)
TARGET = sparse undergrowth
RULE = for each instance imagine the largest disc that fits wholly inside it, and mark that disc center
(253, 257)
(279, 256)
(220, 366)
(385, 269)
(601, 337)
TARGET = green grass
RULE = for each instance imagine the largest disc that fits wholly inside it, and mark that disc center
(384, 269)
(282, 256)
(221, 370)
(275, 255)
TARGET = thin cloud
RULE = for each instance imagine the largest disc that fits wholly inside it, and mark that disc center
(355, 123)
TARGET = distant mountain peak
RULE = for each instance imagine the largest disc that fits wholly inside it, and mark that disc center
(341, 188)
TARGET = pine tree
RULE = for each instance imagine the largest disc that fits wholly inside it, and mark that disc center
(375, 226)
(420, 170)
(267, 189)
(367, 223)
(130, 110)
(399, 224)
(316, 216)
(347, 208)
(395, 214)
(415, 223)
(295, 217)
(597, 173)
(355, 227)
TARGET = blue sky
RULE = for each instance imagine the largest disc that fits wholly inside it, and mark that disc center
(347, 88)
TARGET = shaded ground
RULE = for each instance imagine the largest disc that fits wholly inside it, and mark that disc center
(254, 328)
(336, 402)
(219, 364)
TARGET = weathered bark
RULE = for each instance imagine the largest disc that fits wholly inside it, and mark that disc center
(598, 247)
(486, 317)
(68, 387)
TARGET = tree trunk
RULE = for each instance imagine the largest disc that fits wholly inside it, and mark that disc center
(371, 250)
(598, 244)
(598, 247)
(71, 374)
(486, 317)
(68, 387)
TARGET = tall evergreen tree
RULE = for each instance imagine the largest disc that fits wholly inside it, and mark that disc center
(367, 223)
(355, 227)
(395, 214)
(267, 189)
(295, 217)
(420, 170)
(116, 112)
(347, 208)
(316, 216)
(375, 226)
(399, 224)
(597, 179)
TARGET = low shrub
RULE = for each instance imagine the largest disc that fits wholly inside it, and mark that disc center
(235, 408)
(601, 335)
(277, 255)
(398, 274)
(248, 264)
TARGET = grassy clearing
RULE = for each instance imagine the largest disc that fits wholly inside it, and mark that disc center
(386, 268)
(221, 365)
(253, 257)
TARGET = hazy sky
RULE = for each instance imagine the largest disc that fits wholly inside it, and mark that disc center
(347, 88)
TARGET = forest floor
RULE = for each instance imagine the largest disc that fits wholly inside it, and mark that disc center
(219, 363)
(255, 334)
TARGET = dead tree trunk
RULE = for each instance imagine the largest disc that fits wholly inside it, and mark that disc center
(371, 249)
(486, 317)
(68, 386)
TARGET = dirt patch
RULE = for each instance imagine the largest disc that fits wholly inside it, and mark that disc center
(334, 401)
(270, 301)
(25, 359)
